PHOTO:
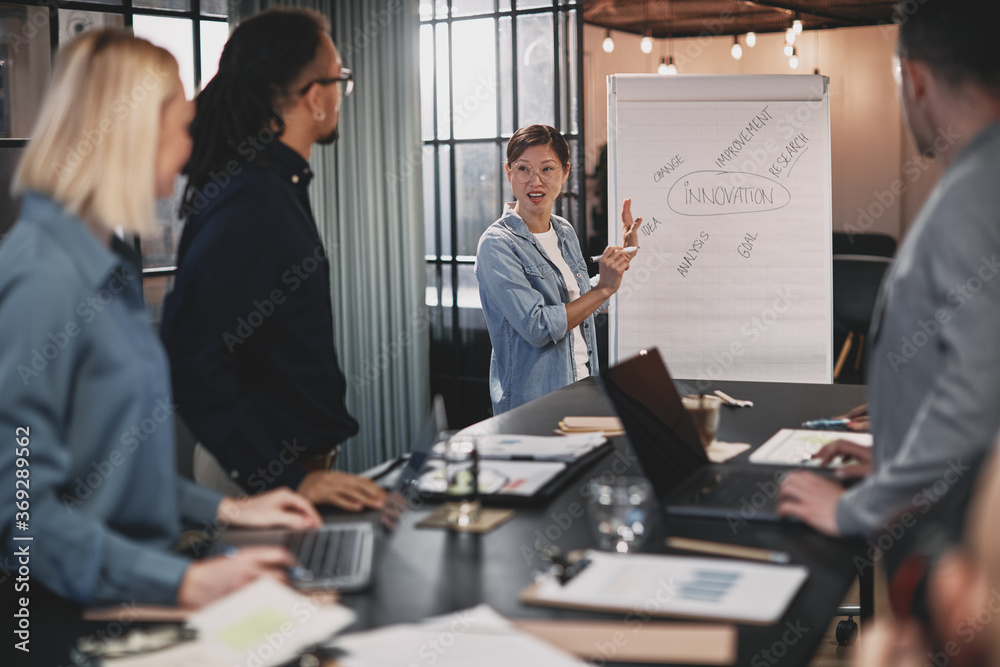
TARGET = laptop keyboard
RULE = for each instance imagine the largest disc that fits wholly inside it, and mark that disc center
(730, 490)
(330, 553)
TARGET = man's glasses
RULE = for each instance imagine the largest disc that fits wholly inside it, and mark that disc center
(522, 173)
(346, 75)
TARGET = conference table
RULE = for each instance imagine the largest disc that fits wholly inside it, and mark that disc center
(427, 572)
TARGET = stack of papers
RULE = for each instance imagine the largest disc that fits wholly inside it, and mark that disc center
(477, 636)
(608, 426)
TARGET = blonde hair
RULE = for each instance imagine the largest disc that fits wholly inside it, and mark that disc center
(95, 146)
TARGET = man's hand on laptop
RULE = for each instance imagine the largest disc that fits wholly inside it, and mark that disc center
(348, 492)
(278, 508)
(210, 579)
(811, 498)
(859, 456)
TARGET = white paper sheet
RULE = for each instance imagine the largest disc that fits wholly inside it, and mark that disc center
(477, 636)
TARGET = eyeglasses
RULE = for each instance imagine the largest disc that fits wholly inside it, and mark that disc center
(346, 75)
(522, 173)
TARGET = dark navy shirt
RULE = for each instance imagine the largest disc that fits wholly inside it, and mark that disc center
(249, 324)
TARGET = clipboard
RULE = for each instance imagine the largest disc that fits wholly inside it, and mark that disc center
(663, 586)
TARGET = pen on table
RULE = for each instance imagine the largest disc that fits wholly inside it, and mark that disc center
(828, 424)
(732, 550)
(630, 250)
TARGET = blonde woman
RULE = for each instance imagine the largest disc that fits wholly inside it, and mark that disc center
(84, 380)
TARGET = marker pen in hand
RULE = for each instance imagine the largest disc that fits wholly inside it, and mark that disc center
(630, 250)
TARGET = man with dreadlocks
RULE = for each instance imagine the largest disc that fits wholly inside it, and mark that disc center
(249, 324)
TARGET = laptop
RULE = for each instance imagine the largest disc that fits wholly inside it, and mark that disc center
(666, 442)
(343, 553)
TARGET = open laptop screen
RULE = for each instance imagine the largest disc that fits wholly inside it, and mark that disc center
(658, 427)
(405, 487)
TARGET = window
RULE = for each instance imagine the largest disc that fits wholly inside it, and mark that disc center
(487, 67)
(194, 31)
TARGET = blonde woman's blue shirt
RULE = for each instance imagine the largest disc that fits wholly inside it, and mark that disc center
(82, 370)
(524, 300)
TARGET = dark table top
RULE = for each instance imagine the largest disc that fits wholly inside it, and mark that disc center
(430, 572)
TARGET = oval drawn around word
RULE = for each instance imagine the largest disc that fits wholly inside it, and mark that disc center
(723, 192)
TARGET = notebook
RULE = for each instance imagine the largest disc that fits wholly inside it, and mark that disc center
(666, 442)
(343, 553)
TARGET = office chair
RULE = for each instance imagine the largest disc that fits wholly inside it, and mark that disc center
(877, 245)
(856, 281)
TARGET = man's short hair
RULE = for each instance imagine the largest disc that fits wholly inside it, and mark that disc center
(958, 39)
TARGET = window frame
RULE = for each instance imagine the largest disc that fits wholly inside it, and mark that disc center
(446, 262)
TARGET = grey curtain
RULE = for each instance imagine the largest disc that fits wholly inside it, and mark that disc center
(368, 204)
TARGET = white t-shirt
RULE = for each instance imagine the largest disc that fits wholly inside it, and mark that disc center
(550, 244)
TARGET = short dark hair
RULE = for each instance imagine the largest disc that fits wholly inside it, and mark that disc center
(956, 38)
(263, 59)
(537, 135)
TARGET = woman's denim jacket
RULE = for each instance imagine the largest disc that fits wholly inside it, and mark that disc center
(524, 300)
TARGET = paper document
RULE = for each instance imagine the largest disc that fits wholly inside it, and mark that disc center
(791, 446)
(720, 452)
(676, 586)
(539, 447)
(477, 636)
(515, 478)
(264, 624)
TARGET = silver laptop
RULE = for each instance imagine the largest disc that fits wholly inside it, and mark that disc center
(343, 553)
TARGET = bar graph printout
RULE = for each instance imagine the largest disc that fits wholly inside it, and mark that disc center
(731, 175)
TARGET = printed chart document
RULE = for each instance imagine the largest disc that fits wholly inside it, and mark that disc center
(791, 446)
(477, 636)
(708, 588)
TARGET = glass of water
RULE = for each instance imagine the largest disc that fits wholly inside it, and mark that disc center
(461, 458)
(619, 512)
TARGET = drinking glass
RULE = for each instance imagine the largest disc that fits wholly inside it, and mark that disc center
(619, 512)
